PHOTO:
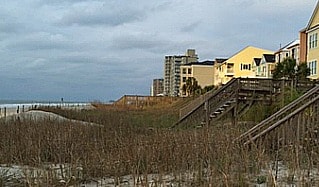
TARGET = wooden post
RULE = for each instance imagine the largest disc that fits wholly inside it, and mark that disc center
(234, 110)
(282, 93)
(234, 116)
(207, 113)
(271, 91)
(298, 140)
(136, 101)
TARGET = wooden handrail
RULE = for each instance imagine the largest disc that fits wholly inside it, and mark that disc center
(278, 123)
(278, 114)
(200, 102)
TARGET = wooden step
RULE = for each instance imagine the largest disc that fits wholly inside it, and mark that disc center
(212, 116)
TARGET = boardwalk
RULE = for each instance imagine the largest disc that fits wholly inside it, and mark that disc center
(235, 98)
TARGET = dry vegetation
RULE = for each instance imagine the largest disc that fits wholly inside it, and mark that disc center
(135, 142)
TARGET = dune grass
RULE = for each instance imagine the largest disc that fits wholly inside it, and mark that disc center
(137, 142)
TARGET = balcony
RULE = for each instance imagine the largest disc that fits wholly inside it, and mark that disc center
(230, 72)
(230, 69)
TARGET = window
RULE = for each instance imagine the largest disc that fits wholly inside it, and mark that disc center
(184, 70)
(313, 40)
(245, 66)
(313, 67)
(184, 79)
(189, 71)
(293, 53)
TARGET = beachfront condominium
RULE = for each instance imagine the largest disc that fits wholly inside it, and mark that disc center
(172, 72)
(203, 72)
(157, 88)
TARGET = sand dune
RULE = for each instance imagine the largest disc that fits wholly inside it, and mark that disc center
(37, 115)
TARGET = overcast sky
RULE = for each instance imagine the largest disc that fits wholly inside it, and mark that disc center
(85, 50)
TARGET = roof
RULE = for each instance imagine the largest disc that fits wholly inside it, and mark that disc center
(269, 58)
(245, 49)
(206, 62)
(257, 61)
(313, 16)
(289, 45)
(220, 60)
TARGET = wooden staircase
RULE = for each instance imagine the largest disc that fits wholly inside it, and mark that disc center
(293, 119)
(209, 106)
(233, 98)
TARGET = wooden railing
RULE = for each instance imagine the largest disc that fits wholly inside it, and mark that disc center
(228, 92)
(256, 84)
(297, 127)
(278, 117)
(236, 89)
(197, 107)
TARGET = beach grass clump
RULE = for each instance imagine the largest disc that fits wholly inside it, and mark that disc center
(137, 144)
(120, 146)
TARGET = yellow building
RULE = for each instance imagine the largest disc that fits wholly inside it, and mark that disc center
(264, 67)
(203, 72)
(217, 68)
(312, 31)
(240, 64)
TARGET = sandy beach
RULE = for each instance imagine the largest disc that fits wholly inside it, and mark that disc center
(11, 109)
(37, 115)
(4, 112)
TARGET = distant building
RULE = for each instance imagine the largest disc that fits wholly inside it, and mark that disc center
(240, 64)
(157, 88)
(172, 72)
(203, 72)
(266, 66)
(291, 50)
(218, 67)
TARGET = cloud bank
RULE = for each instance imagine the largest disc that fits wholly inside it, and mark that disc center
(102, 49)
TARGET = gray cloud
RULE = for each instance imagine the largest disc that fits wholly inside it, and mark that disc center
(103, 49)
(100, 14)
(190, 27)
(9, 24)
(146, 42)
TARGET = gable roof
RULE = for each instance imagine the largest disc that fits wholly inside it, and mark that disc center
(247, 48)
(314, 13)
(220, 60)
(269, 58)
(206, 62)
(289, 45)
(257, 61)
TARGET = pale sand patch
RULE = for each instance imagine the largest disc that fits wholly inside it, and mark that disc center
(7, 112)
(37, 115)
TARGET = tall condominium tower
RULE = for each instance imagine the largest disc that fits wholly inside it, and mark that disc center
(172, 72)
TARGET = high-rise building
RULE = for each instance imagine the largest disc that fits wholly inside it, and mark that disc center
(172, 72)
(157, 87)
